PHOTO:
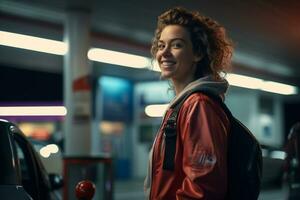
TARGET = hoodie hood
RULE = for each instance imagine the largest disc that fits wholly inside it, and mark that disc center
(204, 84)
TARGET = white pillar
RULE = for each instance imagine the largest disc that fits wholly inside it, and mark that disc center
(77, 88)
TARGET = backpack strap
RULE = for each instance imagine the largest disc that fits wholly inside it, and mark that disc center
(171, 127)
(170, 137)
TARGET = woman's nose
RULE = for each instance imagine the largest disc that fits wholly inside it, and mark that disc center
(166, 51)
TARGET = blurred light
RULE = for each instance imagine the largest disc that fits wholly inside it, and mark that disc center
(38, 131)
(265, 119)
(114, 85)
(278, 155)
(156, 110)
(118, 58)
(108, 128)
(53, 148)
(279, 88)
(46, 151)
(33, 111)
(244, 81)
(156, 66)
(256, 83)
(33, 43)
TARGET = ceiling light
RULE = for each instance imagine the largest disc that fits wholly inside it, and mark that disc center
(118, 58)
(33, 111)
(260, 84)
(156, 66)
(244, 81)
(32, 43)
(156, 110)
(278, 88)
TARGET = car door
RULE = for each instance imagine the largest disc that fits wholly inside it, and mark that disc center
(34, 177)
(10, 176)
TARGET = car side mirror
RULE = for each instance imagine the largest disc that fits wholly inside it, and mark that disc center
(56, 181)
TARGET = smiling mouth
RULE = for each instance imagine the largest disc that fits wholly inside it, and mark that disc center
(167, 64)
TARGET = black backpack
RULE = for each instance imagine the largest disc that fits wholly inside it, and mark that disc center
(244, 153)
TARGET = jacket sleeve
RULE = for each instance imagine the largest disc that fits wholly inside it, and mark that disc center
(203, 130)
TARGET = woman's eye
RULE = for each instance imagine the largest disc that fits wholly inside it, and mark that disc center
(177, 45)
(161, 46)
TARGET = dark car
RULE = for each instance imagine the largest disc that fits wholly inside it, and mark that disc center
(273, 162)
(22, 174)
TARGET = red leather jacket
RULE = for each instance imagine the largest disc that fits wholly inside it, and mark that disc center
(201, 154)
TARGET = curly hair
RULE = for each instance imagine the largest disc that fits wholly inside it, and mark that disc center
(208, 37)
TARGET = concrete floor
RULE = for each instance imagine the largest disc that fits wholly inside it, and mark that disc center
(133, 190)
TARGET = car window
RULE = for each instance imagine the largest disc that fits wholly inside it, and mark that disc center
(28, 177)
(23, 163)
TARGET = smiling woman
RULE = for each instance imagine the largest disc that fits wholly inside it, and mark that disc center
(191, 50)
(175, 55)
(206, 38)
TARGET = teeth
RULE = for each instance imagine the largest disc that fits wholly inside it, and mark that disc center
(168, 63)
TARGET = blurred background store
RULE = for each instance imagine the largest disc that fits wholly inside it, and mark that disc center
(115, 94)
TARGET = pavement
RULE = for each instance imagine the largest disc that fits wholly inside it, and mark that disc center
(133, 190)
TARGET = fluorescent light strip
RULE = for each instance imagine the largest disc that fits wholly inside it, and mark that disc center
(244, 81)
(33, 43)
(156, 66)
(255, 83)
(118, 58)
(279, 88)
(33, 111)
(156, 110)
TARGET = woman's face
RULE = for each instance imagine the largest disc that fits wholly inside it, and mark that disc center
(175, 54)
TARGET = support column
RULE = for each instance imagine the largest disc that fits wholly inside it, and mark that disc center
(77, 87)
